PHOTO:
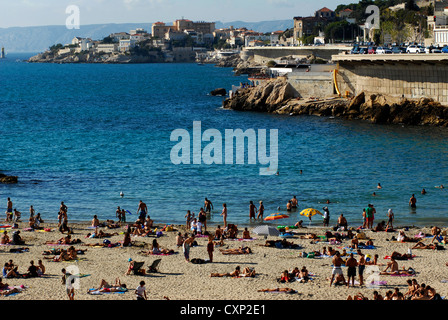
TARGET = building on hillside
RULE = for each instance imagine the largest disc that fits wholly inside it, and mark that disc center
(345, 13)
(116, 37)
(126, 44)
(106, 47)
(325, 13)
(307, 26)
(159, 29)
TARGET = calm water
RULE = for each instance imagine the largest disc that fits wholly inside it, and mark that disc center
(83, 133)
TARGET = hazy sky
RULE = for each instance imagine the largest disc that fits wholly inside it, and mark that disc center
(18, 13)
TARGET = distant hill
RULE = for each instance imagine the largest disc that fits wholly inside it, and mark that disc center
(40, 38)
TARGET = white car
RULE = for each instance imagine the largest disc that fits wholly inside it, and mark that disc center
(383, 50)
(415, 49)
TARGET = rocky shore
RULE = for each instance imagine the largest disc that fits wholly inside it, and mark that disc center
(49, 57)
(277, 97)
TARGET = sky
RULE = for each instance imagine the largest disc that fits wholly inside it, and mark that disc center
(24, 13)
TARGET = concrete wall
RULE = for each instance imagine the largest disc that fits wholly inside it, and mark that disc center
(411, 80)
(264, 54)
(312, 84)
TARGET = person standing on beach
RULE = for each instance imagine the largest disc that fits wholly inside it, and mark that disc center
(390, 215)
(413, 202)
(326, 216)
(224, 214)
(210, 248)
(188, 218)
(9, 210)
(361, 267)
(142, 210)
(369, 216)
(141, 291)
(202, 218)
(252, 210)
(186, 247)
(337, 263)
(260, 210)
(351, 265)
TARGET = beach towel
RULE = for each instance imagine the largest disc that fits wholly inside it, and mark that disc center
(94, 291)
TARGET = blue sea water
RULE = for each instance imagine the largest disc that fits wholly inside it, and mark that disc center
(82, 133)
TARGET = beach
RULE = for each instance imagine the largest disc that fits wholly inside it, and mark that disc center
(177, 279)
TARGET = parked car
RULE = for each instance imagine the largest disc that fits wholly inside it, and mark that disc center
(355, 50)
(383, 50)
(398, 49)
(415, 49)
(363, 51)
(432, 49)
(371, 50)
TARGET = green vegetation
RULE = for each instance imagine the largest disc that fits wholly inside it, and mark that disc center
(400, 24)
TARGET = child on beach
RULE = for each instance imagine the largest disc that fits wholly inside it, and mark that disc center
(210, 248)
(141, 291)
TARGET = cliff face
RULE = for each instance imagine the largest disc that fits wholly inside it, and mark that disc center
(277, 97)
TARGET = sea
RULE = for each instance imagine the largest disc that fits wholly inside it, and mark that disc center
(84, 133)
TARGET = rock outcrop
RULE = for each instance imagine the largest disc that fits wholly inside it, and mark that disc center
(219, 92)
(267, 97)
(277, 96)
(8, 179)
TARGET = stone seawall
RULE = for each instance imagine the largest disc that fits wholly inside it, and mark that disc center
(410, 76)
(278, 97)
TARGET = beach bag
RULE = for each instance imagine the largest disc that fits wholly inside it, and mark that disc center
(197, 261)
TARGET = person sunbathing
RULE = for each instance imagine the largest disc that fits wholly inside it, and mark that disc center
(7, 292)
(287, 290)
(399, 256)
(242, 250)
(235, 273)
(394, 270)
(421, 245)
(63, 256)
(248, 272)
(65, 240)
(309, 236)
(106, 287)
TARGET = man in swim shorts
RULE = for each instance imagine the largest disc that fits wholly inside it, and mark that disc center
(351, 264)
(337, 262)
(9, 210)
(142, 210)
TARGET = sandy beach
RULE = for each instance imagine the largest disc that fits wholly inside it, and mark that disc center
(180, 280)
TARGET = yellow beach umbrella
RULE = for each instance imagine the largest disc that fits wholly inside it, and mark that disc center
(309, 212)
